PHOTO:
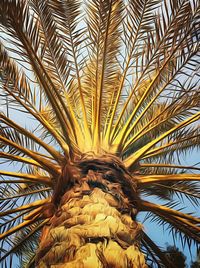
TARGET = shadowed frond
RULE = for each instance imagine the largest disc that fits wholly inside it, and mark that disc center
(157, 256)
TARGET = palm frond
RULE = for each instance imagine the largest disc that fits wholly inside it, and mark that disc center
(67, 16)
(54, 58)
(12, 158)
(103, 22)
(183, 189)
(15, 23)
(145, 205)
(177, 46)
(18, 89)
(179, 223)
(29, 177)
(25, 207)
(170, 177)
(8, 122)
(157, 255)
(132, 159)
(176, 229)
(172, 148)
(25, 240)
(137, 22)
(7, 140)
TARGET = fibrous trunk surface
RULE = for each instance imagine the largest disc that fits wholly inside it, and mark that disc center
(94, 224)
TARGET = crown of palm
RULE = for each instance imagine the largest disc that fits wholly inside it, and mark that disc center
(99, 77)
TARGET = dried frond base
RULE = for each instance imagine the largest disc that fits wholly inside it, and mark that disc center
(92, 228)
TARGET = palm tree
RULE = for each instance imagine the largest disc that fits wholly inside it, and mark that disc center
(196, 263)
(111, 89)
(176, 256)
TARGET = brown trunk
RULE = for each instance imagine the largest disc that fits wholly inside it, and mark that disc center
(94, 224)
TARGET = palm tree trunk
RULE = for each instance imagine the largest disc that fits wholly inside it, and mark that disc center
(94, 224)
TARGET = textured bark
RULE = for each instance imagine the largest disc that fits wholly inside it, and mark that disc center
(94, 225)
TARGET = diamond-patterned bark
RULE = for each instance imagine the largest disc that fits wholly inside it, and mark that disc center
(93, 227)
